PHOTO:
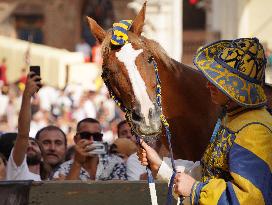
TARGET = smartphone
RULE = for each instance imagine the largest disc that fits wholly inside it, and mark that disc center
(36, 69)
(98, 148)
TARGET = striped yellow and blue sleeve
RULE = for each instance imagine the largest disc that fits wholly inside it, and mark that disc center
(250, 165)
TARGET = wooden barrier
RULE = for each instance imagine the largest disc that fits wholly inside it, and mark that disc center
(95, 193)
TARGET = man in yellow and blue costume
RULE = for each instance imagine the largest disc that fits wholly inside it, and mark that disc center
(237, 164)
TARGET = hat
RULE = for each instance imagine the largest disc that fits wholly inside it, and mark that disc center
(236, 68)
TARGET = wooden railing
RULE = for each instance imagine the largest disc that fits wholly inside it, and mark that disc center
(92, 193)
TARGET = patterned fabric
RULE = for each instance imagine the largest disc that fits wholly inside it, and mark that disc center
(215, 158)
(120, 32)
(237, 165)
(236, 68)
(110, 167)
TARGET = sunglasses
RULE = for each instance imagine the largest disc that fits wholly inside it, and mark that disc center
(96, 136)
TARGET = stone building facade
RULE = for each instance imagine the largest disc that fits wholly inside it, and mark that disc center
(176, 25)
(55, 23)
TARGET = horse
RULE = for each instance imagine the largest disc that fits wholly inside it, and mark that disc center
(130, 76)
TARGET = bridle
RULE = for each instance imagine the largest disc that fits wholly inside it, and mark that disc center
(129, 112)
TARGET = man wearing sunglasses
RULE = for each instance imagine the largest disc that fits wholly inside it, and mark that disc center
(86, 166)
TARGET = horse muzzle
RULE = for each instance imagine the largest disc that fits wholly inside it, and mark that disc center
(147, 127)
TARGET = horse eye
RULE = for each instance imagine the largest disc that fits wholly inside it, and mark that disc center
(115, 47)
(150, 59)
(105, 73)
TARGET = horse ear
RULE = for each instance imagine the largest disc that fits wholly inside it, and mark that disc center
(96, 30)
(138, 23)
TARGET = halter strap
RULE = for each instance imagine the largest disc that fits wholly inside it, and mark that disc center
(167, 132)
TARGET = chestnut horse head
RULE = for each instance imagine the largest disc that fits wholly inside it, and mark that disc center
(131, 76)
(129, 73)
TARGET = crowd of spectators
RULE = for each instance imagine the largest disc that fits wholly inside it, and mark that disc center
(47, 133)
(61, 107)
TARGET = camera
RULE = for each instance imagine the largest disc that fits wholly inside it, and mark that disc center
(98, 148)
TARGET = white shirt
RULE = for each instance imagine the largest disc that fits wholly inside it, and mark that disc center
(48, 96)
(189, 167)
(192, 168)
(109, 137)
(76, 90)
(110, 106)
(21, 172)
(89, 109)
(4, 104)
(134, 168)
(110, 167)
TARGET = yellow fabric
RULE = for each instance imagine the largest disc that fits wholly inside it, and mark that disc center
(120, 32)
(236, 67)
(114, 42)
(210, 194)
(258, 137)
(246, 192)
(255, 138)
(258, 140)
(193, 191)
(237, 121)
(124, 26)
(235, 90)
(216, 157)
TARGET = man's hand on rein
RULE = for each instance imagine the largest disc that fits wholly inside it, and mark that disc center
(149, 157)
(183, 184)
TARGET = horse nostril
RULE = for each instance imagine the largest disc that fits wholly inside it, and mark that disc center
(135, 116)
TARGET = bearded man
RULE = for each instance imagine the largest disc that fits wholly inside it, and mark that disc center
(25, 159)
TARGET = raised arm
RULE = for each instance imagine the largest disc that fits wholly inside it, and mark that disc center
(32, 86)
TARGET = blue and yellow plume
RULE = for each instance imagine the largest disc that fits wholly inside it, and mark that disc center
(120, 32)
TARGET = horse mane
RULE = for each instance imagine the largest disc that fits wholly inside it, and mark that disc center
(158, 51)
(169, 63)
